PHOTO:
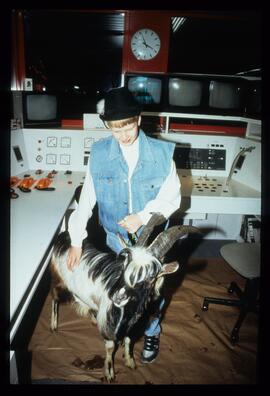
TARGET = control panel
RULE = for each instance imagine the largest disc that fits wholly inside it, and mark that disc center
(199, 158)
(60, 149)
(53, 158)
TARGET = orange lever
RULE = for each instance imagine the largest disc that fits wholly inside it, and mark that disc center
(27, 182)
(14, 180)
(43, 183)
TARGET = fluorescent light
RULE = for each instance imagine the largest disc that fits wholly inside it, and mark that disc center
(177, 22)
(249, 71)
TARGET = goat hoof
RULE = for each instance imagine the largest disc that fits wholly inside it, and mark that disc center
(130, 363)
(109, 375)
(53, 329)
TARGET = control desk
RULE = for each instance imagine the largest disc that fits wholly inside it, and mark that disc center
(219, 175)
(217, 188)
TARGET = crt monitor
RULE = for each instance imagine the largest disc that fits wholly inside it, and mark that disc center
(147, 90)
(40, 110)
(225, 95)
(184, 92)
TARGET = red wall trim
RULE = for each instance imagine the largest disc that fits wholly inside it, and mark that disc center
(65, 123)
(209, 129)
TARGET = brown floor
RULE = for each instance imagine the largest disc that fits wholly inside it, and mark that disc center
(195, 346)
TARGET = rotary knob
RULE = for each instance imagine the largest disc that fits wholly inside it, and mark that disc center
(39, 158)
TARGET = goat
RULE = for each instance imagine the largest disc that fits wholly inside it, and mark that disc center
(115, 290)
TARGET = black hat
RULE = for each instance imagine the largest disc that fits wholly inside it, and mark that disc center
(119, 105)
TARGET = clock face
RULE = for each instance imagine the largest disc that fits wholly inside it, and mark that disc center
(145, 44)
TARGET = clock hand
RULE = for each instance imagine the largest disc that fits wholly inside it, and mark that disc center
(144, 42)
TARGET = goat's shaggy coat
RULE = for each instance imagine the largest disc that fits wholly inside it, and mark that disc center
(114, 290)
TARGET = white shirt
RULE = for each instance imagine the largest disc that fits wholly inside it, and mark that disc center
(166, 202)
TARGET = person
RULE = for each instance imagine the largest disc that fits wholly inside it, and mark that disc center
(130, 175)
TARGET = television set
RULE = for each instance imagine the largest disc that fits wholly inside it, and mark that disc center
(147, 89)
(200, 94)
(185, 93)
(226, 96)
(40, 110)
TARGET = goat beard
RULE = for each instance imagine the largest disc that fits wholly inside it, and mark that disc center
(126, 317)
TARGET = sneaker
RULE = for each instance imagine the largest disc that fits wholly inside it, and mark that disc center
(150, 349)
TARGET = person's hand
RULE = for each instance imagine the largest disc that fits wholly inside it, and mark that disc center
(74, 256)
(131, 223)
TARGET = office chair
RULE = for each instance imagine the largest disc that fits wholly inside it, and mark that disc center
(244, 258)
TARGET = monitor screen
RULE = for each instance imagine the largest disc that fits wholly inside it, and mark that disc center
(184, 92)
(41, 107)
(224, 95)
(40, 110)
(146, 90)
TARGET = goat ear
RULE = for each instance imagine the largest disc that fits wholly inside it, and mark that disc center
(120, 297)
(169, 268)
(122, 241)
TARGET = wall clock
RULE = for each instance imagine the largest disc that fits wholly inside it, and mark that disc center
(145, 44)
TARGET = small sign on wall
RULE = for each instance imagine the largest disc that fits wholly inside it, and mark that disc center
(92, 121)
(28, 84)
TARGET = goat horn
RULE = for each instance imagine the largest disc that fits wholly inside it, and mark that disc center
(156, 219)
(166, 239)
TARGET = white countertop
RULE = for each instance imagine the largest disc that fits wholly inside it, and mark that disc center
(211, 195)
(34, 219)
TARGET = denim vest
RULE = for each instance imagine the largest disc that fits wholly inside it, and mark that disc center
(109, 171)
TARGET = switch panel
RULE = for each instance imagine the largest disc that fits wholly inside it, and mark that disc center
(199, 158)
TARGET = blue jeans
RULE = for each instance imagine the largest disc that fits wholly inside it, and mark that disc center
(153, 327)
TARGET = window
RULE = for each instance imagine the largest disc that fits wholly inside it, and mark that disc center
(74, 52)
(215, 42)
